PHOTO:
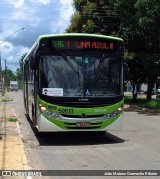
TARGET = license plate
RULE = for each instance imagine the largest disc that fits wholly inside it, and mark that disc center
(83, 124)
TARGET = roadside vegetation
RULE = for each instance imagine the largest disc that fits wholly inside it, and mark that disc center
(142, 102)
(7, 99)
(12, 119)
(9, 75)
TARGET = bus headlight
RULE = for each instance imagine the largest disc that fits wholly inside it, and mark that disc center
(48, 113)
(51, 114)
(43, 109)
(114, 114)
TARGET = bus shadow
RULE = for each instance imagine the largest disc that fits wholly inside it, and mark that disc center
(77, 138)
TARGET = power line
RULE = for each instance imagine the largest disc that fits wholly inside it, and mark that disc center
(87, 14)
(36, 20)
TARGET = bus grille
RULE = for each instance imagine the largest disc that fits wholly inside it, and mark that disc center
(80, 116)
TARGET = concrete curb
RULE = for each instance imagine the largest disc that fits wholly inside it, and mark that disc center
(24, 157)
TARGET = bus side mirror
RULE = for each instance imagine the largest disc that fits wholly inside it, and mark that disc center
(126, 73)
(34, 61)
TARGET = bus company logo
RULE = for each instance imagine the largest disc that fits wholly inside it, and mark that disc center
(83, 115)
(100, 110)
(84, 99)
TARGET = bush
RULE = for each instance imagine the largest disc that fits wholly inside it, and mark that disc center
(153, 104)
(141, 102)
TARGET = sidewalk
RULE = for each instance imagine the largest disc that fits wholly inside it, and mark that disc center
(11, 145)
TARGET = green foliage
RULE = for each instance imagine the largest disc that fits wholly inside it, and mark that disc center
(19, 72)
(141, 102)
(139, 26)
(6, 99)
(12, 119)
(8, 75)
(92, 16)
(76, 23)
(152, 104)
(148, 12)
(129, 100)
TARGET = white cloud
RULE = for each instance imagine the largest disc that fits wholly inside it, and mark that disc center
(41, 1)
(10, 32)
(6, 47)
(19, 15)
(25, 13)
(65, 12)
(66, 9)
(16, 3)
(37, 16)
(57, 27)
(23, 50)
(12, 61)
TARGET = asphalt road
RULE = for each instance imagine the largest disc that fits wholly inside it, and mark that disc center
(136, 147)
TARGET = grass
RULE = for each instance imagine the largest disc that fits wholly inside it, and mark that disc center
(7, 99)
(153, 104)
(141, 102)
(12, 119)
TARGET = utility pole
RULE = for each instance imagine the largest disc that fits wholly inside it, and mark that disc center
(1, 77)
(6, 74)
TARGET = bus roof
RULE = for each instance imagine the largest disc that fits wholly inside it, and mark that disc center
(78, 34)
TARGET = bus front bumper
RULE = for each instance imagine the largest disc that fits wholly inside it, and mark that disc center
(45, 125)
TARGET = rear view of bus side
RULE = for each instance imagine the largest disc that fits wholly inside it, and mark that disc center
(74, 82)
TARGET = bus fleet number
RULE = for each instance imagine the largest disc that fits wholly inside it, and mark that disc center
(66, 111)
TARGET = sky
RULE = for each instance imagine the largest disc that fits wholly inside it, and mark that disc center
(37, 17)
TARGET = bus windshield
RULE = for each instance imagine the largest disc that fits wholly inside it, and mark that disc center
(80, 75)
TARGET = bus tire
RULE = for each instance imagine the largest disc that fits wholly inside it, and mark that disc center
(37, 133)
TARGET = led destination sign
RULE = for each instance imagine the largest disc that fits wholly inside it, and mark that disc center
(99, 45)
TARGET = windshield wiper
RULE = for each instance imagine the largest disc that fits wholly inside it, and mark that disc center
(69, 64)
(67, 60)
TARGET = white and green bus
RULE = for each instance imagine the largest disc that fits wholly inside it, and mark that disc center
(74, 82)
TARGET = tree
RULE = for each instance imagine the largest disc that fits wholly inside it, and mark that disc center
(137, 73)
(149, 21)
(139, 26)
(8, 75)
(93, 16)
(19, 72)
